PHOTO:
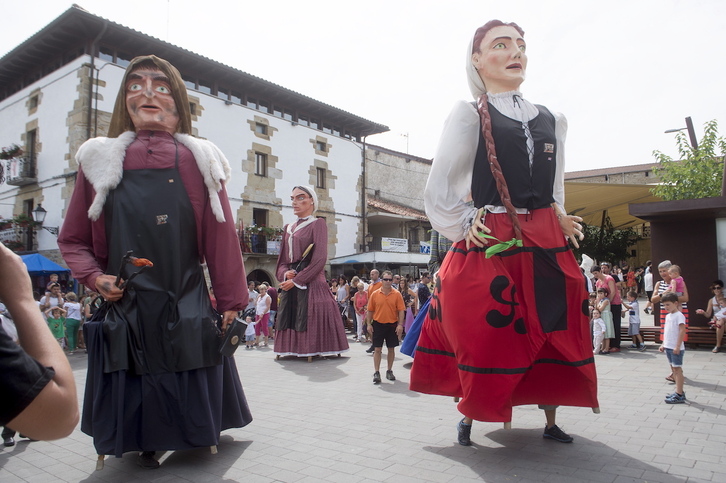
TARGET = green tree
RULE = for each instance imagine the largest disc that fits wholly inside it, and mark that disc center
(698, 173)
(606, 243)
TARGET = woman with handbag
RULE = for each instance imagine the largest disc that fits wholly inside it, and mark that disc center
(308, 320)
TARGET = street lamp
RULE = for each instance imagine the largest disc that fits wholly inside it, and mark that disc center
(39, 217)
(691, 132)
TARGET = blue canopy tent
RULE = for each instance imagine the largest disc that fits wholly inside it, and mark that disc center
(40, 268)
(39, 265)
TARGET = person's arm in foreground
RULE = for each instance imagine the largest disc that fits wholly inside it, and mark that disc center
(53, 413)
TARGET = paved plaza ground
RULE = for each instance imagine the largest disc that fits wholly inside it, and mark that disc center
(325, 421)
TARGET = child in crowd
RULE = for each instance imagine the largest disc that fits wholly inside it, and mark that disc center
(250, 335)
(603, 306)
(634, 321)
(598, 332)
(73, 321)
(592, 302)
(55, 317)
(673, 346)
(678, 286)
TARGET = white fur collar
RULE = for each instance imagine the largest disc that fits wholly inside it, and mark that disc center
(103, 158)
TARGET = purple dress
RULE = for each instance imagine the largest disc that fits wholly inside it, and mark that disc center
(325, 334)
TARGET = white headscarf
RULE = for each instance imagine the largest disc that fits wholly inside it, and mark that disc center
(476, 85)
(311, 191)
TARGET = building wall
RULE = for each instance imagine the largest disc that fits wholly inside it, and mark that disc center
(396, 177)
(635, 177)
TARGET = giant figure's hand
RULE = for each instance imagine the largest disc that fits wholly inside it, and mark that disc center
(477, 226)
(571, 228)
(227, 318)
(106, 286)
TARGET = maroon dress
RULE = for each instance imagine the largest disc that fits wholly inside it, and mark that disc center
(325, 334)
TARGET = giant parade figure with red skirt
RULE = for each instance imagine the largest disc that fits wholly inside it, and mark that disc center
(507, 324)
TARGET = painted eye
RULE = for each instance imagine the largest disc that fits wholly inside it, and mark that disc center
(500, 45)
(163, 90)
(523, 48)
(135, 87)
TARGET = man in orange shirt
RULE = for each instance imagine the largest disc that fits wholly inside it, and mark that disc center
(385, 323)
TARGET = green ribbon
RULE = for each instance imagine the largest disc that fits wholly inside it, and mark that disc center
(501, 246)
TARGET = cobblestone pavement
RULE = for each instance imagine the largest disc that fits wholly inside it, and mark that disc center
(326, 421)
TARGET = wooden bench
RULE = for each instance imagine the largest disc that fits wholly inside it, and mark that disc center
(696, 335)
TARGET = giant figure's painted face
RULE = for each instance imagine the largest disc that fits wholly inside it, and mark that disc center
(150, 102)
(501, 60)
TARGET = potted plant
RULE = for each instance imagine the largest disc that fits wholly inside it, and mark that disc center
(10, 152)
(23, 220)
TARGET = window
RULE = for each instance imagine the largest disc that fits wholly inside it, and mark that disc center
(223, 93)
(265, 106)
(105, 54)
(123, 59)
(321, 146)
(327, 128)
(315, 123)
(236, 97)
(252, 102)
(33, 102)
(189, 82)
(260, 128)
(277, 111)
(647, 173)
(193, 108)
(259, 217)
(205, 86)
(303, 120)
(413, 236)
(287, 114)
(320, 178)
(260, 164)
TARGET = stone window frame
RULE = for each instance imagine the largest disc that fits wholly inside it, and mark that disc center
(259, 120)
(320, 178)
(321, 142)
(261, 167)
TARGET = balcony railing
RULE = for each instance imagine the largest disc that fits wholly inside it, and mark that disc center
(21, 171)
(259, 243)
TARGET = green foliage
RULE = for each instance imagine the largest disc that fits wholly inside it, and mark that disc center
(698, 173)
(606, 243)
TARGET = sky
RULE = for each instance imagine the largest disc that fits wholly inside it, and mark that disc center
(622, 72)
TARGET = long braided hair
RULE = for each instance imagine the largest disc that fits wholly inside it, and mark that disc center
(486, 130)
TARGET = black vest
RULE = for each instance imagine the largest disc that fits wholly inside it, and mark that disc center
(529, 187)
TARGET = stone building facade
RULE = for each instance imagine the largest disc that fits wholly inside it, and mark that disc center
(273, 137)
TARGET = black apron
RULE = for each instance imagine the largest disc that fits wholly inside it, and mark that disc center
(165, 321)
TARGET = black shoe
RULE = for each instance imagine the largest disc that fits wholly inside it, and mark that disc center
(146, 460)
(370, 349)
(376, 377)
(557, 434)
(9, 441)
(390, 376)
(464, 433)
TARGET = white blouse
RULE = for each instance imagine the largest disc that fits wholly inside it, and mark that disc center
(448, 188)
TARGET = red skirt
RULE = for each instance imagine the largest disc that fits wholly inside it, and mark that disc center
(509, 330)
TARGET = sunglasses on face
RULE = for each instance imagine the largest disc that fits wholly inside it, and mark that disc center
(387, 279)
